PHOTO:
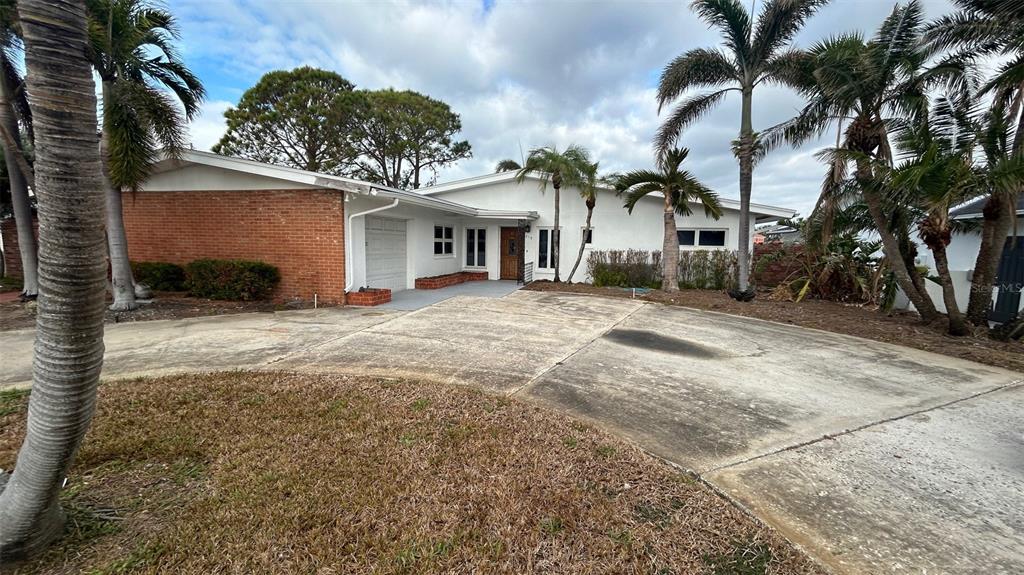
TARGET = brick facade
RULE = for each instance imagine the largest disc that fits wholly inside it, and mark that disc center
(438, 282)
(370, 297)
(11, 255)
(772, 273)
(302, 232)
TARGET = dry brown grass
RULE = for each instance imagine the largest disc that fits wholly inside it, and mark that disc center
(284, 473)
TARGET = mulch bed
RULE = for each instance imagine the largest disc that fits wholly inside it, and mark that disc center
(900, 328)
(165, 305)
(288, 473)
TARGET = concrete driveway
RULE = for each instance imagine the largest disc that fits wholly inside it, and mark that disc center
(874, 458)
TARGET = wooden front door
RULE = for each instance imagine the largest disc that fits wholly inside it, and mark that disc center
(510, 253)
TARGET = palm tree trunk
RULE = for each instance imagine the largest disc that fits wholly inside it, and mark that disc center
(556, 238)
(746, 158)
(583, 241)
(117, 241)
(69, 328)
(891, 246)
(669, 249)
(19, 194)
(996, 222)
(957, 324)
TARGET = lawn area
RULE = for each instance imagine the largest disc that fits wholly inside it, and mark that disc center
(900, 328)
(285, 473)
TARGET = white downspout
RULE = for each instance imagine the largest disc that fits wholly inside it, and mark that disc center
(348, 241)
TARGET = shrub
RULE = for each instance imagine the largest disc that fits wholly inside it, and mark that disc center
(231, 279)
(160, 276)
(638, 268)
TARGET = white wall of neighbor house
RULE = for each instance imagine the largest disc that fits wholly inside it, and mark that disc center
(613, 227)
(962, 253)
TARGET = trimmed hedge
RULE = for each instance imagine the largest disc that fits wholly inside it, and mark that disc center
(231, 279)
(159, 276)
(699, 269)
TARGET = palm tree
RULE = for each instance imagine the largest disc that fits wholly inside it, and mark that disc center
(69, 324)
(507, 165)
(588, 191)
(936, 176)
(756, 54)
(872, 88)
(558, 168)
(991, 29)
(134, 55)
(14, 106)
(679, 188)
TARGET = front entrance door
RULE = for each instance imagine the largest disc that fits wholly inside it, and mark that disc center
(510, 253)
(1009, 279)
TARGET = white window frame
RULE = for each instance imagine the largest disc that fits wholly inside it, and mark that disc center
(444, 241)
(551, 237)
(583, 236)
(696, 238)
(476, 249)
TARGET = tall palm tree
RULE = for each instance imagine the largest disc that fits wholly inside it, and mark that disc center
(14, 107)
(756, 53)
(679, 188)
(871, 88)
(588, 191)
(134, 55)
(507, 165)
(69, 324)
(557, 168)
(991, 29)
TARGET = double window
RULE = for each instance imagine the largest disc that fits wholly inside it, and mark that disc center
(546, 239)
(444, 240)
(709, 238)
(476, 247)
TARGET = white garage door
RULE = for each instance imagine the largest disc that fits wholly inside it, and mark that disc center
(385, 253)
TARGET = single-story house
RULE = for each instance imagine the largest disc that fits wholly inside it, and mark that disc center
(331, 235)
(962, 253)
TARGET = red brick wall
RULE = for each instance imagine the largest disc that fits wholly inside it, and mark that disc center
(772, 273)
(12, 257)
(299, 231)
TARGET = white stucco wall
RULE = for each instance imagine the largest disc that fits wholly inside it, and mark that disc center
(197, 177)
(614, 228)
(962, 253)
(420, 222)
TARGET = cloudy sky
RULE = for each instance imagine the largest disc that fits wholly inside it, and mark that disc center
(521, 74)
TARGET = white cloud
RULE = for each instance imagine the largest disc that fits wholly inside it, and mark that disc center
(524, 73)
(207, 128)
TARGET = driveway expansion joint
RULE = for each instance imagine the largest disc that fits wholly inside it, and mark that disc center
(851, 431)
(562, 361)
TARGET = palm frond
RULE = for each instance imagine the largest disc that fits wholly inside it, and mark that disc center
(733, 22)
(778, 22)
(684, 114)
(699, 68)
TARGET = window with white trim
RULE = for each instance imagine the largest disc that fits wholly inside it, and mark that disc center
(588, 236)
(545, 253)
(476, 247)
(444, 241)
(706, 238)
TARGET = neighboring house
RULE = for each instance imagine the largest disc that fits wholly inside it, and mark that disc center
(963, 253)
(787, 235)
(331, 235)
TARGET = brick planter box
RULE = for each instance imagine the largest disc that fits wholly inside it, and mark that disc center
(372, 296)
(438, 282)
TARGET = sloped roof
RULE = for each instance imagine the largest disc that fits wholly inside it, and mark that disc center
(973, 209)
(501, 177)
(168, 163)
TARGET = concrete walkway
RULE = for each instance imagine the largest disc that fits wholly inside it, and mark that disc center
(414, 299)
(874, 458)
